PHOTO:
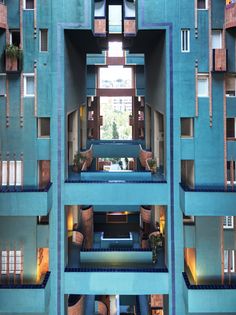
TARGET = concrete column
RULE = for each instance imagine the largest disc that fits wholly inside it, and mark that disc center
(143, 302)
(208, 250)
(87, 225)
(89, 305)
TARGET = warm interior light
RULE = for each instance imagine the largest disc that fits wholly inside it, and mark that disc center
(42, 262)
(190, 259)
(70, 221)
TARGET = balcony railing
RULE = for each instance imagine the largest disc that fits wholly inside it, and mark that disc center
(28, 298)
(230, 15)
(219, 60)
(3, 16)
(25, 200)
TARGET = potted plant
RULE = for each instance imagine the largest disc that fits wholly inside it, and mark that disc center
(78, 162)
(152, 163)
(156, 241)
(13, 56)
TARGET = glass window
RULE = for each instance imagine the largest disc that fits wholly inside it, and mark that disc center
(29, 85)
(229, 260)
(43, 40)
(15, 37)
(202, 4)
(185, 44)
(44, 127)
(115, 18)
(216, 39)
(228, 222)
(203, 86)
(186, 127)
(115, 77)
(18, 173)
(28, 4)
(2, 85)
(231, 172)
(230, 127)
(230, 85)
(4, 173)
(115, 49)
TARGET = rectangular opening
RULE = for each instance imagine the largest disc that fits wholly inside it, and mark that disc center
(43, 40)
(230, 85)
(185, 40)
(203, 85)
(115, 19)
(186, 127)
(228, 222)
(202, 4)
(231, 172)
(44, 127)
(216, 39)
(229, 260)
(29, 85)
(15, 37)
(187, 172)
(115, 77)
(2, 84)
(28, 4)
(230, 128)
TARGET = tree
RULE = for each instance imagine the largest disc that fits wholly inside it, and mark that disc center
(115, 134)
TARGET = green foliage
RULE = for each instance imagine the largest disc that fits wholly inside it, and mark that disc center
(78, 159)
(13, 52)
(115, 134)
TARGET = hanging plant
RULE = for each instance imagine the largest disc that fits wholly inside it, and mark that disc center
(13, 52)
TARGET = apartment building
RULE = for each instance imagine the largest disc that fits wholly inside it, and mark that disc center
(117, 157)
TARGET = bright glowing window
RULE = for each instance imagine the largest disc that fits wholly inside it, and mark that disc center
(115, 77)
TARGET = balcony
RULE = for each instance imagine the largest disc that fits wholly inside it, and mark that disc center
(112, 281)
(230, 15)
(129, 27)
(3, 16)
(207, 200)
(100, 27)
(13, 60)
(26, 200)
(209, 298)
(219, 60)
(28, 298)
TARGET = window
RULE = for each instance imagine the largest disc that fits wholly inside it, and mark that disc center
(2, 84)
(115, 77)
(186, 127)
(229, 260)
(43, 40)
(15, 37)
(11, 261)
(12, 173)
(231, 172)
(202, 4)
(115, 19)
(230, 85)
(203, 85)
(115, 49)
(185, 40)
(43, 127)
(28, 4)
(187, 172)
(216, 39)
(228, 222)
(29, 85)
(231, 128)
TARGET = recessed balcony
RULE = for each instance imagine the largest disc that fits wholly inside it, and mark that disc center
(26, 200)
(28, 297)
(3, 16)
(230, 15)
(209, 298)
(219, 60)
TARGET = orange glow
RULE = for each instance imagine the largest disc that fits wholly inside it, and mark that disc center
(70, 221)
(190, 258)
(42, 262)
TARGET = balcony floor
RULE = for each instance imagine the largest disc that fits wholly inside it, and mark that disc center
(74, 257)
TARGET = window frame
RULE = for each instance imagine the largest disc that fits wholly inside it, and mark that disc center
(40, 40)
(206, 5)
(234, 168)
(182, 32)
(191, 128)
(4, 76)
(39, 128)
(24, 6)
(25, 76)
(220, 31)
(232, 269)
(234, 78)
(202, 76)
(231, 138)
(227, 226)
